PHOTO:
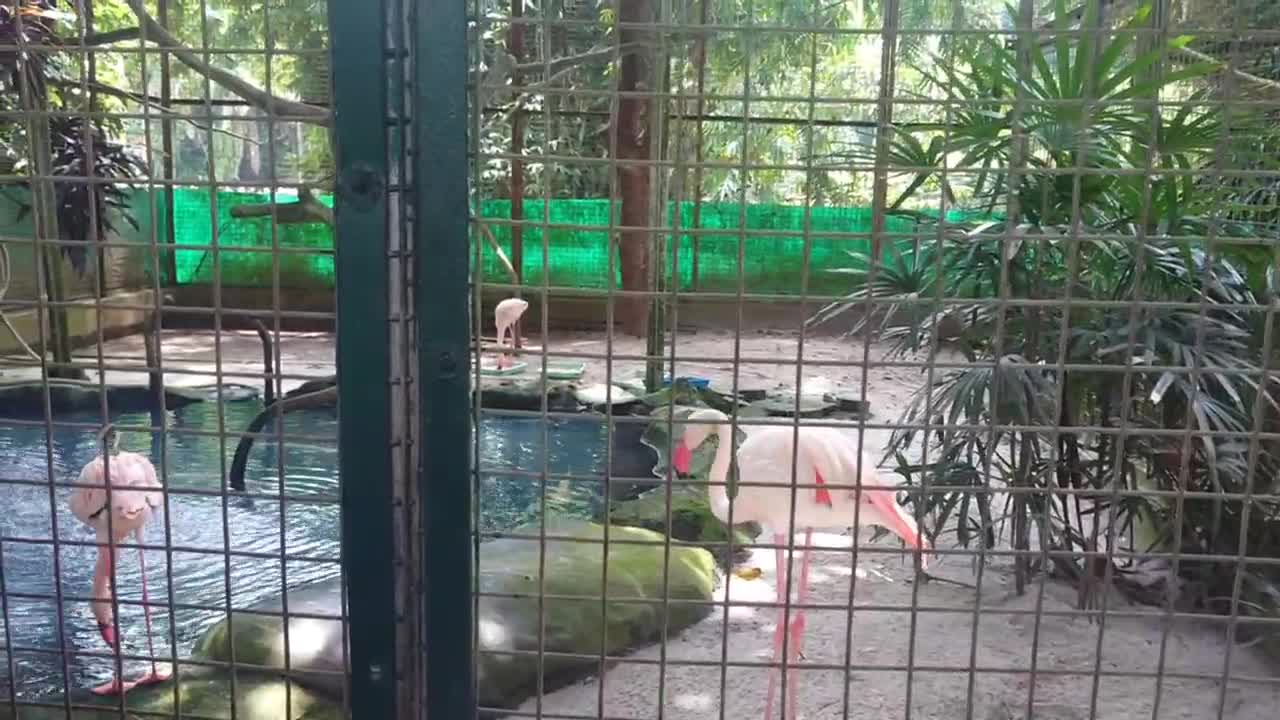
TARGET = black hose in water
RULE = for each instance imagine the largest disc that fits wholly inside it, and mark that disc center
(324, 397)
(268, 361)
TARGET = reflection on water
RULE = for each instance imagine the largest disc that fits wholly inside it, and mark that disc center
(197, 575)
(575, 447)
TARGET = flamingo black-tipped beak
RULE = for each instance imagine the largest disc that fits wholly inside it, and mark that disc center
(108, 634)
(682, 459)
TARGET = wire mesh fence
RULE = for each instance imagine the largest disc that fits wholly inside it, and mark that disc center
(1055, 386)
(195, 434)
(825, 360)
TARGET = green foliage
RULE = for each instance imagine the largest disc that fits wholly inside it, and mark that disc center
(784, 68)
(79, 148)
(87, 210)
(29, 23)
(1054, 407)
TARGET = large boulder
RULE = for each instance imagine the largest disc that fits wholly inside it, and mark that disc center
(573, 621)
(257, 636)
(22, 397)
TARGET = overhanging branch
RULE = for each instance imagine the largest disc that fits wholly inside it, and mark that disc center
(1224, 66)
(558, 65)
(263, 100)
(113, 36)
(150, 101)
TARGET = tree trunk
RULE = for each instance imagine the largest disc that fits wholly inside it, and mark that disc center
(633, 138)
(45, 219)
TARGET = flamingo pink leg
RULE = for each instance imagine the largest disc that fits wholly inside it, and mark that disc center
(155, 676)
(504, 360)
(780, 593)
(115, 686)
(794, 647)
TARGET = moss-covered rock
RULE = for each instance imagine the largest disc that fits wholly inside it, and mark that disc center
(691, 521)
(785, 404)
(573, 619)
(576, 621)
(201, 692)
(257, 636)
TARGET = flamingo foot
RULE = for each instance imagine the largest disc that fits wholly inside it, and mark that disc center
(115, 687)
(154, 677)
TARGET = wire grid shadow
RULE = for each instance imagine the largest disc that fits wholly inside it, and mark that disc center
(169, 533)
(875, 360)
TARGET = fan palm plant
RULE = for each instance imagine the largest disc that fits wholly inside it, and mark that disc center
(1054, 408)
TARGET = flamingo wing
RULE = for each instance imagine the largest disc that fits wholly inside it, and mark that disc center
(142, 475)
(833, 456)
(766, 456)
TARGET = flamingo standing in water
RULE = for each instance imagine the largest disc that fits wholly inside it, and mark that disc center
(135, 494)
(505, 316)
(824, 455)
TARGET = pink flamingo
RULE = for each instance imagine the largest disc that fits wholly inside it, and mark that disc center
(505, 316)
(825, 455)
(135, 494)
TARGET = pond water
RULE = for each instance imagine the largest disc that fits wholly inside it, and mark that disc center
(201, 573)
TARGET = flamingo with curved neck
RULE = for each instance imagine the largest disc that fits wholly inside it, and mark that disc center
(135, 495)
(822, 455)
(505, 316)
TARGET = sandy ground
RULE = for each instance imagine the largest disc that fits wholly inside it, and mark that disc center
(946, 647)
(767, 361)
(196, 358)
(1067, 685)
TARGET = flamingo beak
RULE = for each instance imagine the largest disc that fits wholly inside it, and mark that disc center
(108, 633)
(682, 459)
(898, 521)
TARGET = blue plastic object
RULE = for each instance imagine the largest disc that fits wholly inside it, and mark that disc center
(696, 382)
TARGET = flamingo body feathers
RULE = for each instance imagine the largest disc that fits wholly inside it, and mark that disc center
(135, 493)
(833, 479)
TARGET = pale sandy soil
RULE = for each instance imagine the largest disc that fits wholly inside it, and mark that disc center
(946, 647)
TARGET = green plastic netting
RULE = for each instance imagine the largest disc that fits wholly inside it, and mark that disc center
(576, 244)
(245, 258)
(773, 260)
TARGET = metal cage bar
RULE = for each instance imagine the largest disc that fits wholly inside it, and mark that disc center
(364, 352)
(441, 273)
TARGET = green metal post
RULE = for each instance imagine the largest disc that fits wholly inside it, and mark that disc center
(442, 297)
(364, 353)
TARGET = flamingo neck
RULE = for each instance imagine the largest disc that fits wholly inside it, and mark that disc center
(102, 584)
(718, 491)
